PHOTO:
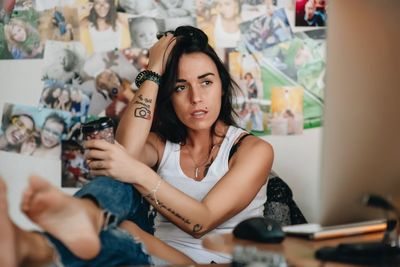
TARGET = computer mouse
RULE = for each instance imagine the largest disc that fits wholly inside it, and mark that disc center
(259, 229)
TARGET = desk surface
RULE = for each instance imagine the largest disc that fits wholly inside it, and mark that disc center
(298, 251)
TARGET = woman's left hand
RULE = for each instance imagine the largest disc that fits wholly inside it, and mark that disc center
(106, 159)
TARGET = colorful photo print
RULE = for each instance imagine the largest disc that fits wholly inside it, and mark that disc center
(287, 110)
(63, 61)
(109, 83)
(104, 29)
(299, 62)
(74, 172)
(33, 131)
(220, 20)
(266, 31)
(143, 31)
(20, 38)
(59, 24)
(66, 97)
(250, 105)
(311, 13)
(252, 9)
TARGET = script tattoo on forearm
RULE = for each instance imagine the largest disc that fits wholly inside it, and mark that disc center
(143, 109)
(161, 205)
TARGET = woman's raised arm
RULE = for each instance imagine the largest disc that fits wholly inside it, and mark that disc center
(134, 128)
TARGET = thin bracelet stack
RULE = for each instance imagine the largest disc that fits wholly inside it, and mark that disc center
(153, 192)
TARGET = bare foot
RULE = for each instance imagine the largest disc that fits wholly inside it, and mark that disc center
(8, 250)
(66, 218)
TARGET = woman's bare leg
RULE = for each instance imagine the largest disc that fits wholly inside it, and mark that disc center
(19, 247)
(155, 246)
(75, 222)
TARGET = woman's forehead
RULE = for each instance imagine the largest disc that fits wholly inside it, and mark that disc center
(196, 64)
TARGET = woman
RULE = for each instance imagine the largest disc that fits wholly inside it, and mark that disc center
(104, 29)
(198, 187)
(23, 39)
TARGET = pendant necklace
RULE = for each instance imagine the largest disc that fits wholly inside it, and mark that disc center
(206, 162)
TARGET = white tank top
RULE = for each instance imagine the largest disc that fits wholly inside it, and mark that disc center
(223, 38)
(172, 173)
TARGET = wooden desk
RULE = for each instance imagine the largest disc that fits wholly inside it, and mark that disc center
(298, 251)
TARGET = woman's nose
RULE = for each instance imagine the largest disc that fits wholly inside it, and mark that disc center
(195, 95)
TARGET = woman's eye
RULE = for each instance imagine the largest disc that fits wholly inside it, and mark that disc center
(180, 88)
(206, 83)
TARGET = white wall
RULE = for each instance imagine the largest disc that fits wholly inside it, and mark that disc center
(296, 157)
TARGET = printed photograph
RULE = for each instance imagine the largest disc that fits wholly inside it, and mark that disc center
(19, 37)
(287, 110)
(63, 61)
(143, 31)
(33, 131)
(220, 20)
(109, 83)
(104, 29)
(311, 13)
(74, 172)
(59, 24)
(266, 31)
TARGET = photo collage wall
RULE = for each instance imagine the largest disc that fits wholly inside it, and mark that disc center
(92, 51)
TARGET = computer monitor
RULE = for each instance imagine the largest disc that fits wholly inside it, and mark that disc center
(361, 133)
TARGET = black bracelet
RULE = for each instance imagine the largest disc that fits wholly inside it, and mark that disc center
(147, 75)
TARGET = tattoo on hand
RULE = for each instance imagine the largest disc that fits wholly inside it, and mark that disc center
(143, 109)
(197, 228)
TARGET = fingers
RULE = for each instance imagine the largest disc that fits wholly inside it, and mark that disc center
(94, 154)
(98, 165)
(98, 144)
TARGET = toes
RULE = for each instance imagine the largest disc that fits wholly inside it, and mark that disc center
(26, 199)
(3, 187)
(38, 184)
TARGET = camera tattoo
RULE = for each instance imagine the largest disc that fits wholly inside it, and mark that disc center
(143, 109)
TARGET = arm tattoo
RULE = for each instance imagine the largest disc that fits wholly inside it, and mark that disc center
(161, 205)
(143, 109)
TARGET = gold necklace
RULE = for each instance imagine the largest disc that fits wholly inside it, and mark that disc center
(207, 162)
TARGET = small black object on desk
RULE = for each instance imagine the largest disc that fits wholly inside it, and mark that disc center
(384, 253)
(259, 229)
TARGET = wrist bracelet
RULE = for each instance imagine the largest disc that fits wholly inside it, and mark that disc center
(153, 192)
(147, 75)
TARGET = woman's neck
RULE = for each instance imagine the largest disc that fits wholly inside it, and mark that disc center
(206, 138)
(102, 24)
(230, 25)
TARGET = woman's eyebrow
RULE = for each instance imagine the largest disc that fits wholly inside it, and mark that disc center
(198, 77)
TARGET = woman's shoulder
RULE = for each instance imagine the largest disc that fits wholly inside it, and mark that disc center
(248, 143)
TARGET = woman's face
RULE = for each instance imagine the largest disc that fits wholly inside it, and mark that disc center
(228, 9)
(64, 97)
(56, 93)
(102, 7)
(51, 133)
(146, 34)
(18, 33)
(198, 92)
(19, 130)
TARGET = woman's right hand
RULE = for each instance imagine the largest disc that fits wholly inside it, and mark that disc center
(159, 53)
